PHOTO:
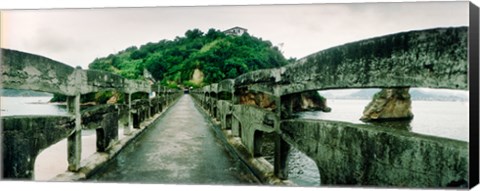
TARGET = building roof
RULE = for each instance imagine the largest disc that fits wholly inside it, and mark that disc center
(237, 27)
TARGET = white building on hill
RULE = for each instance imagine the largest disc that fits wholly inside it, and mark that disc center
(235, 31)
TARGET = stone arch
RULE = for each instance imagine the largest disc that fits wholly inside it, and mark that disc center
(43, 172)
(215, 112)
(228, 121)
(236, 127)
(264, 144)
(257, 143)
(213, 104)
(22, 145)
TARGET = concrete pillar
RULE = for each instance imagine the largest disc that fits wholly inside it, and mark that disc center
(281, 147)
(107, 134)
(167, 96)
(129, 127)
(149, 108)
(257, 143)
(287, 106)
(74, 147)
(280, 161)
(215, 107)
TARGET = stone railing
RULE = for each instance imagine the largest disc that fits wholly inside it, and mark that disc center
(253, 108)
(24, 137)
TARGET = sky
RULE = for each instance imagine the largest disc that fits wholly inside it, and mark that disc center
(77, 36)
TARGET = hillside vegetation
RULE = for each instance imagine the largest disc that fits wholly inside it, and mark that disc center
(211, 56)
(193, 60)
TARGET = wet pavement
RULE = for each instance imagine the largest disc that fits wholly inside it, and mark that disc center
(181, 148)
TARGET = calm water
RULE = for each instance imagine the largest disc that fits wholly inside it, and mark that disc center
(53, 160)
(30, 106)
(439, 118)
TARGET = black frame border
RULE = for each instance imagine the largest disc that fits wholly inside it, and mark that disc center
(473, 56)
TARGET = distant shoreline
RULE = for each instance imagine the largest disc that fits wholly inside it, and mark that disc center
(23, 93)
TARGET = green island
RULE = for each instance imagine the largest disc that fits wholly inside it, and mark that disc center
(190, 61)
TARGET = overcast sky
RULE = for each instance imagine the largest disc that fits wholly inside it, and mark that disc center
(77, 36)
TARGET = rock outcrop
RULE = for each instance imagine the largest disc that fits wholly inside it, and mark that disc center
(389, 104)
(115, 98)
(309, 101)
(259, 99)
(306, 101)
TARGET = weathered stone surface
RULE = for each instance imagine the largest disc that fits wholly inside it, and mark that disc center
(252, 119)
(140, 109)
(23, 138)
(226, 85)
(389, 104)
(92, 117)
(262, 168)
(104, 80)
(213, 88)
(107, 134)
(22, 70)
(133, 86)
(434, 58)
(105, 120)
(115, 98)
(225, 113)
(258, 99)
(156, 105)
(32, 72)
(259, 76)
(352, 154)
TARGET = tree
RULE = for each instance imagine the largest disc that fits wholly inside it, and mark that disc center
(193, 34)
(216, 55)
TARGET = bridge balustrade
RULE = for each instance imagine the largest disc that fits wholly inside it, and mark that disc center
(347, 153)
(224, 103)
(24, 137)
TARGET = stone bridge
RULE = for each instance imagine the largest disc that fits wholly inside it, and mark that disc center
(347, 153)
(24, 137)
(344, 153)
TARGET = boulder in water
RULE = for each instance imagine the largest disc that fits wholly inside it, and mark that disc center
(389, 104)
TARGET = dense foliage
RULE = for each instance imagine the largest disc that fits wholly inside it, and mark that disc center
(213, 55)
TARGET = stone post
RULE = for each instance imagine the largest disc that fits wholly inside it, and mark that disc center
(167, 96)
(280, 161)
(215, 106)
(129, 127)
(74, 147)
(150, 106)
(281, 147)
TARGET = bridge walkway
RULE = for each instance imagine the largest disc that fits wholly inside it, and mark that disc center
(181, 148)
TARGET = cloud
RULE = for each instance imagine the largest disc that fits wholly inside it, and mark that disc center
(49, 40)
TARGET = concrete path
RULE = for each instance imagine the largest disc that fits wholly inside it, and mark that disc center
(180, 149)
